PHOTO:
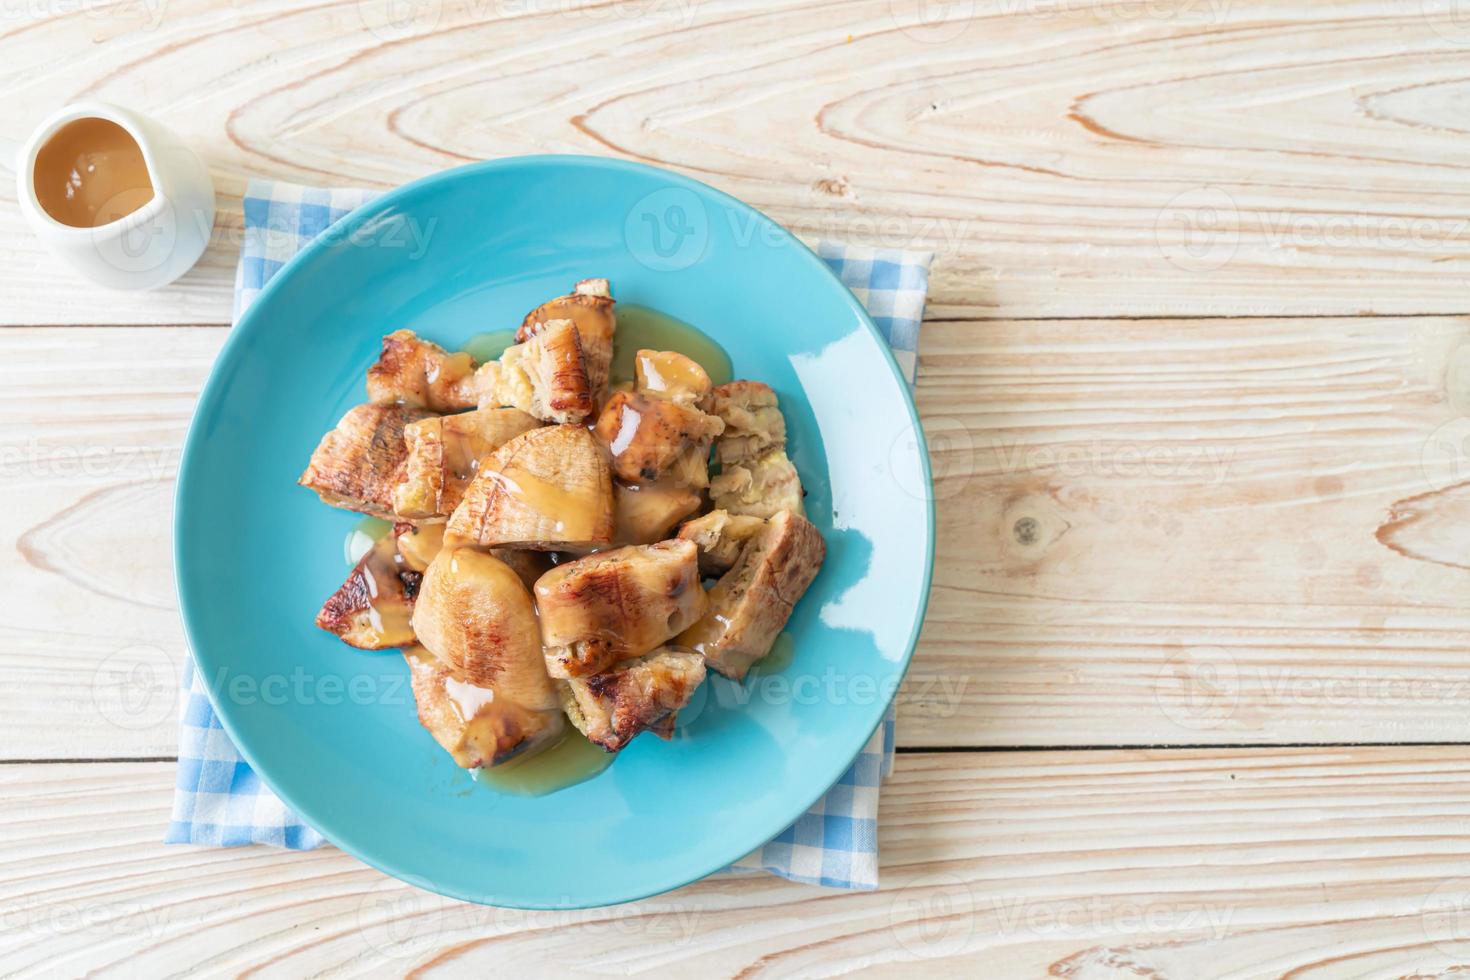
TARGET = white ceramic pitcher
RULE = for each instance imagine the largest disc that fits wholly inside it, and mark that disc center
(149, 247)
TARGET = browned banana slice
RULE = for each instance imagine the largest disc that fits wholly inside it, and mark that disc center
(647, 513)
(750, 605)
(636, 696)
(753, 421)
(720, 536)
(413, 371)
(548, 489)
(617, 604)
(359, 463)
(669, 374)
(758, 487)
(444, 455)
(590, 308)
(372, 609)
(650, 438)
(546, 376)
(485, 696)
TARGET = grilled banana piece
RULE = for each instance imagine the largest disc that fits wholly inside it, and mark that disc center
(719, 535)
(759, 487)
(546, 376)
(756, 478)
(617, 604)
(590, 307)
(669, 374)
(548, 489)
(413, 371)
(358, 464)
(651, 438)
(418, 544)
(640, 695)
(485, 694)
(372, 609)
(753, 421)
(647, 513)
(750, 604)
(444, 454)
(475, 725)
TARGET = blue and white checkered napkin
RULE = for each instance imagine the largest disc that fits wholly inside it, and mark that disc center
(218, 800)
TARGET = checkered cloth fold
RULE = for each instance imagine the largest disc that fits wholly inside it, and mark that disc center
(220, 801)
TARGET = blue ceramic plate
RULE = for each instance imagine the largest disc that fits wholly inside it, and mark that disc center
(333, 731)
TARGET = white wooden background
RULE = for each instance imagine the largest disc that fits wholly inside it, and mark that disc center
(1192, 694)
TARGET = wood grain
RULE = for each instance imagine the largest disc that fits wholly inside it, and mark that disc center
(1175, 157)
(1151, 532)
(1091, 865)
(1220, 531)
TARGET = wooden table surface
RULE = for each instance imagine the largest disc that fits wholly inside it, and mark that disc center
(1191, 697)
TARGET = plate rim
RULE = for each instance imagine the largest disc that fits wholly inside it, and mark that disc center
(214, 383)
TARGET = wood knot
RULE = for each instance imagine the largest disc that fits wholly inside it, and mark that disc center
(1026, 530)
(836, 186)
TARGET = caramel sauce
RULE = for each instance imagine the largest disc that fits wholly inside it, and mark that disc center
(388, 613)
(419, 546)
(782, 652)
(569, 760)
(364, 534)
(461, 461)
(481, 721)
(670, 374)
(641, 328)
(593, 323)
(488, 346)
(91, 172)
(708, 630)
(468, 699)
(572, 520)
(451, 368)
